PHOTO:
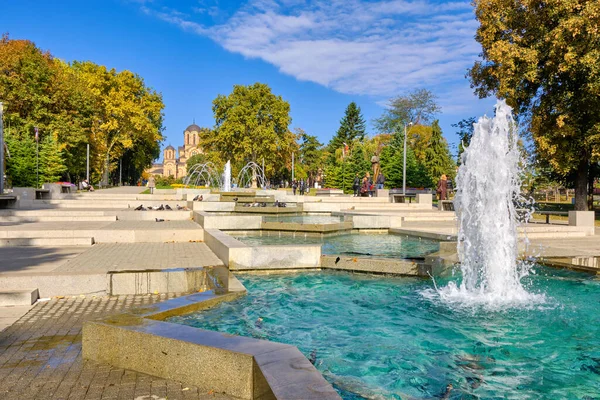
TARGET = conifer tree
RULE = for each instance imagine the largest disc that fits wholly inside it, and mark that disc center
(352, 127)
(51, 161)
(438, 160)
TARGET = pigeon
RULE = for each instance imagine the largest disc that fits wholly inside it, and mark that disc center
(337, 260)
(161, 208)
(179, 207)
(159, 220)
(276, 204)
(201, 198)
(168, 207)
(235, 199)
(139, 208)
(196, 198)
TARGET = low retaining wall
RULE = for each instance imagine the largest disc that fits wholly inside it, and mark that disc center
(375, 265)
(227, 222)
(239, 256)
(241, 367)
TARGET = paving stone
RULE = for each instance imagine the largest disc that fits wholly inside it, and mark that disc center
(40, 356)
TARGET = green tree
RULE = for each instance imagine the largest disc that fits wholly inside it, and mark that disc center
(352, 127)
(52, 165)
(126, 112)
(438, 160)
(195, 159)
(392, 163)
(251, 124)
(311, 154)
(465, 133)
(543, 58)
(418, 107)
(21, 165)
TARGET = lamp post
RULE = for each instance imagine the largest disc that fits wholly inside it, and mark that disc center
(1, 150)
(343, 165)
(404, 167)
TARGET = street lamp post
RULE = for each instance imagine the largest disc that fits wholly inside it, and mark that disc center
(404, 166)
(343, 165)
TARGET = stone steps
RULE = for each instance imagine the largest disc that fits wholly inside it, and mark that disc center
(18, 297)
(107, 204)
(46, 241)
(437, 217)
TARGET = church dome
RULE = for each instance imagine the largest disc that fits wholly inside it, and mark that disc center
(193, 128)
(169, 147)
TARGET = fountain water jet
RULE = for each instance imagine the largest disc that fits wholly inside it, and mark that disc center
(226, 187)
(252, 175)
(203, 173)
(489, 185)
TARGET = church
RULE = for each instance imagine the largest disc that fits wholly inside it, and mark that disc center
(175, 164)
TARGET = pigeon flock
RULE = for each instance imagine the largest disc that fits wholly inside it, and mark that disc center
(160, 208)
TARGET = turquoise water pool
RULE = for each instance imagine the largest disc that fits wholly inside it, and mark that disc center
(383, 339)
(389, 246)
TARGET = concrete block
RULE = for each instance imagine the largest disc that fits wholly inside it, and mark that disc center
(581, 218)
(18, 297)
(382, 193)
(425, 198)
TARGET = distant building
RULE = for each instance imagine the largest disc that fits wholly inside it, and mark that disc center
(175, 164)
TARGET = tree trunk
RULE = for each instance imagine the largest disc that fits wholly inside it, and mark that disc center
(590, 198)
(581, 182)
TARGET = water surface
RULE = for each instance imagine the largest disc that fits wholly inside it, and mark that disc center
(382, 339)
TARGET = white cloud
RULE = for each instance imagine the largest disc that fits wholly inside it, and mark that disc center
(377, 48)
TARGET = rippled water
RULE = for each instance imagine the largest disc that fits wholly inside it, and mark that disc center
(389, 246)
(383, 339)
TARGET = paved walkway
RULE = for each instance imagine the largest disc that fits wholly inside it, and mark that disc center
(102, 258)
(40, 357)
(36, 260)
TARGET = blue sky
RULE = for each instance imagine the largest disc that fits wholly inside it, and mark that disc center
(318, 55)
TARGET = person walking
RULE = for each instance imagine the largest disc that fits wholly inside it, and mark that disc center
(151, 184)
(442, 188)
(356, 185)
(301, 187)
(294, 186)
(380, 180)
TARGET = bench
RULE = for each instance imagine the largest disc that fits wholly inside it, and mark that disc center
(8, 201)
(401, 198)
(446, 205)
(42, 194)
(549, 213)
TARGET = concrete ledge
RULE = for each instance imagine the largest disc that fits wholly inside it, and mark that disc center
(239, 256)
(375, 265)
(18, 297)
(376, 221)
(46, 241)
(227, 222)
(424, 234)
(238, 366)
(299, 227)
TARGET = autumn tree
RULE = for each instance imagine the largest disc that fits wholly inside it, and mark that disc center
(543, 58)
(125, 113)
(251, 124)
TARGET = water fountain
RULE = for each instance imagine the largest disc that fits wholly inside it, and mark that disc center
(203, 173)
(252, 175)
(226, 187)
(487, 199)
